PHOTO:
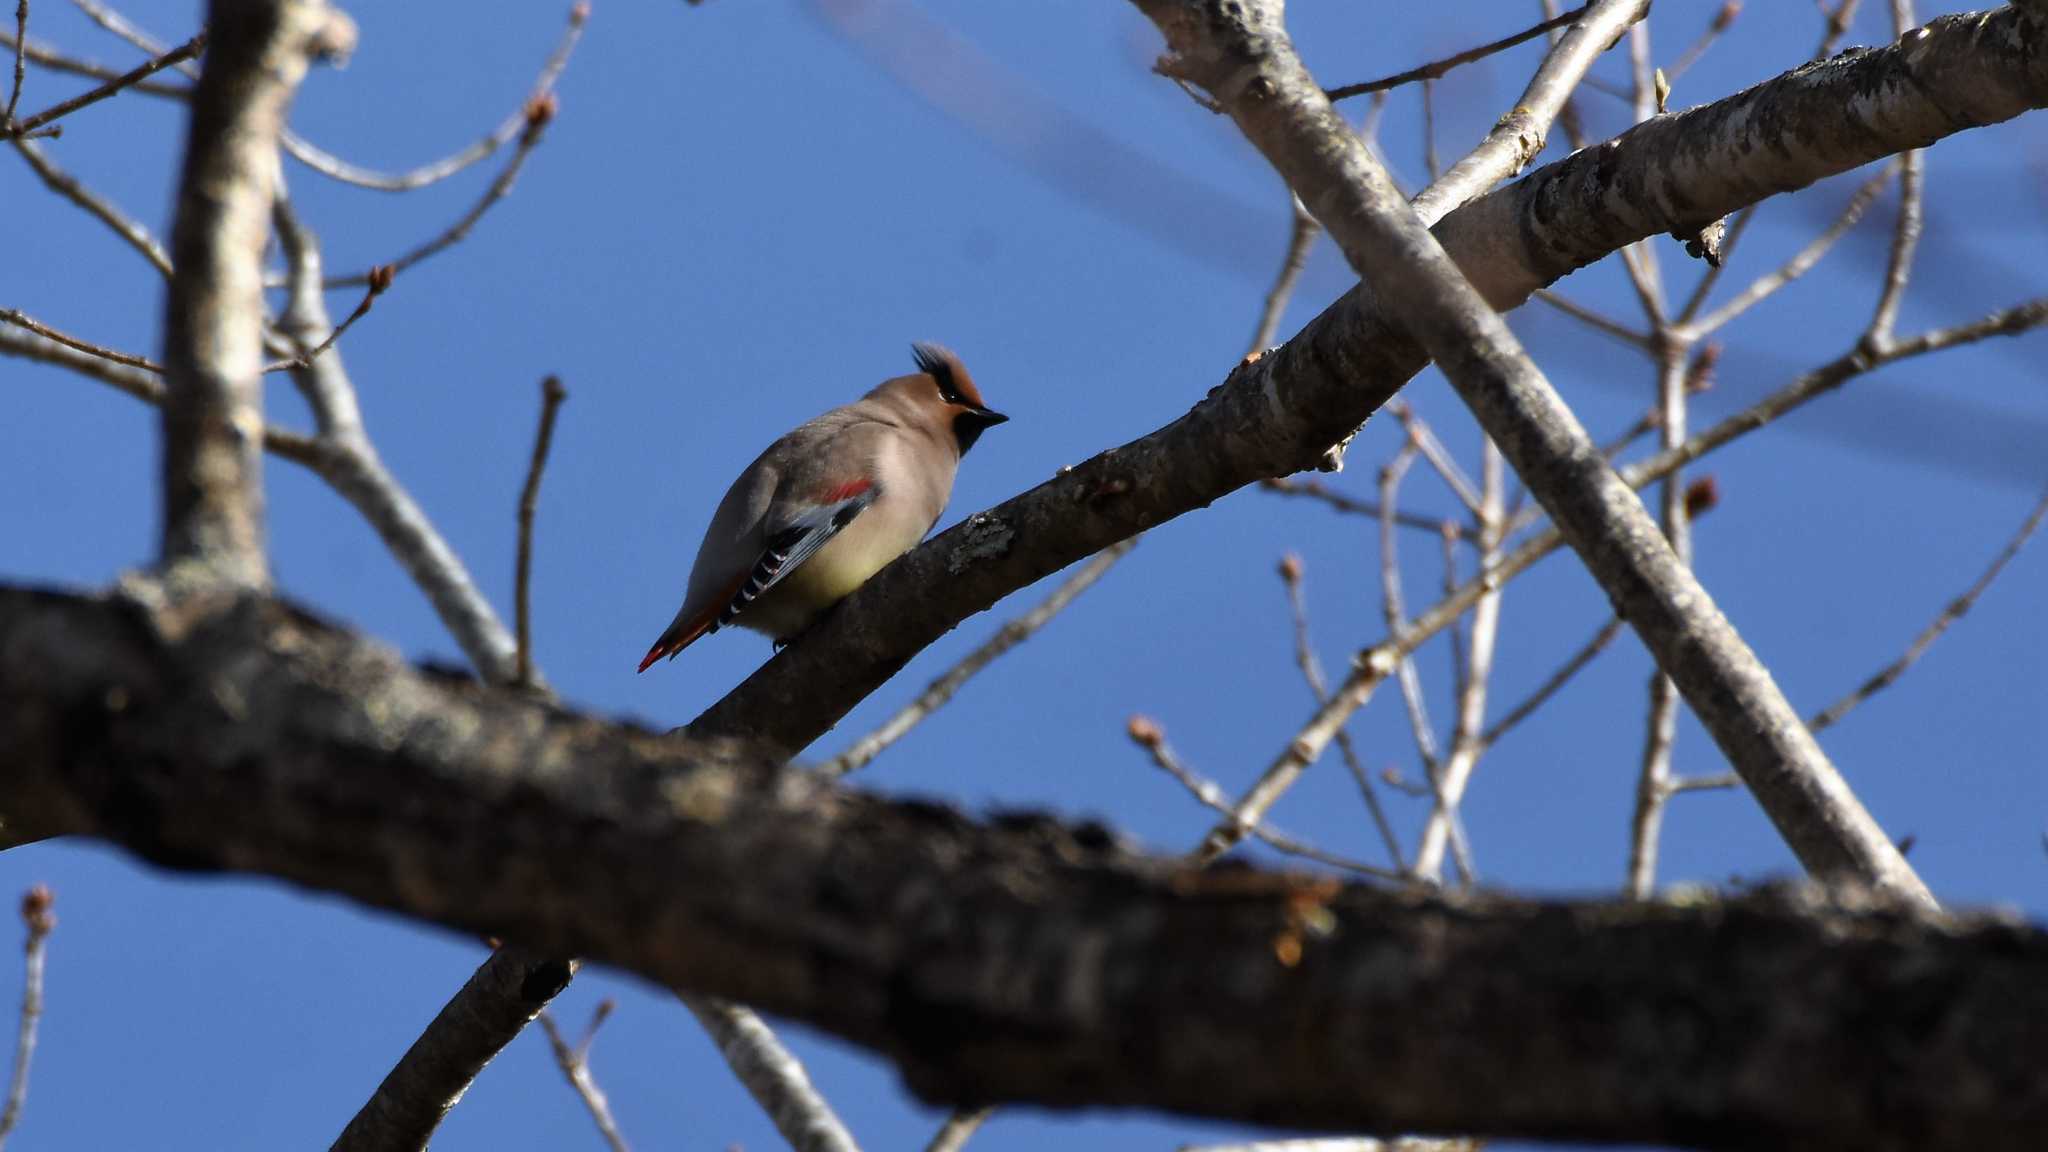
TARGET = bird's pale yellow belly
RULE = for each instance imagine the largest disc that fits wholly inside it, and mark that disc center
(843, 564)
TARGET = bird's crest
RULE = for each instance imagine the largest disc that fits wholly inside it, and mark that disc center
(955, 385)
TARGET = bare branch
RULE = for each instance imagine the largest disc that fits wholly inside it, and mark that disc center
(1831, 715)
(1395, 611)
(380, 282)
(575, 1065)
(941, 690)
(551, 396)
(773, 1076)
(38, 920)
(71, 188)
(1552, 683)
(1905, 239)
(1653, 782)
(55, 61)
(1146, 733)
(1801, 262)
(349, 462)
(539, 113)
(1317, 490)
(30, 324)
(20, 70)
(954, 1133)
(33, 126)
(503, 996)
(1300, 238)
(1596, 320)
(1467, 745)
(328, 164)
(1437, 68)
(1724, 16)
(1519, 135)
(1319, 688)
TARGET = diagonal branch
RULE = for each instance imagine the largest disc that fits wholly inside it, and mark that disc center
(1278, 415)
(502, 997)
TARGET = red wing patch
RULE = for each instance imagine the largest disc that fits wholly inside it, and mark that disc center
(846, 491)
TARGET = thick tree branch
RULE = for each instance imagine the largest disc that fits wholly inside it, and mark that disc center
(1277, 415)
(1021, 960)
(213, 323)
(502, 997)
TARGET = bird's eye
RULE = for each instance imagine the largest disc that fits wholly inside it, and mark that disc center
(949, 395)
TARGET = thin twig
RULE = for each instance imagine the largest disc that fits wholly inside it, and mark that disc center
(1905, 240)
(773, 1076)
(1724, 781)
(1831, 715)
(1723, 17)
(1437, 68)
(22, 320)
(380, 282)
(1654, 780)
(1338, 501)
(1430, 164)
(1444, 818)
(20, 69)
(1644, 424)
(941, 690)
(1433, 451)
(1554, 682)
(1466, 745)
(1640, 258)
(38, 918)
(1460, 672)
(33, 125)
(1319, 687)
(55, 61)
(539, 112)
(334, 167)
(1301, 237)
(953, 1134)
(1146, 734)
(71, 188)
(1801, 262)
(1599, 322)
(551, 396)
(575, 1065)
(352, 467)
(1837, 26)
(1519, 135)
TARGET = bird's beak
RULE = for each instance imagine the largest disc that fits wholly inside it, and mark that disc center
(989, 417)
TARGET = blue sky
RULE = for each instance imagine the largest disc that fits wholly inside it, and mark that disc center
(740, 219)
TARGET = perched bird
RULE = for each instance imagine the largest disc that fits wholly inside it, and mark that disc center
(829, 504)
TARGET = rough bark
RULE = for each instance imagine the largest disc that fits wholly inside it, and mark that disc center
(1279, 414)
(1019, 959)
(502, 997)
(213, 345)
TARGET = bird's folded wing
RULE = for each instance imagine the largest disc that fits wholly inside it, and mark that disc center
(798, 540)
